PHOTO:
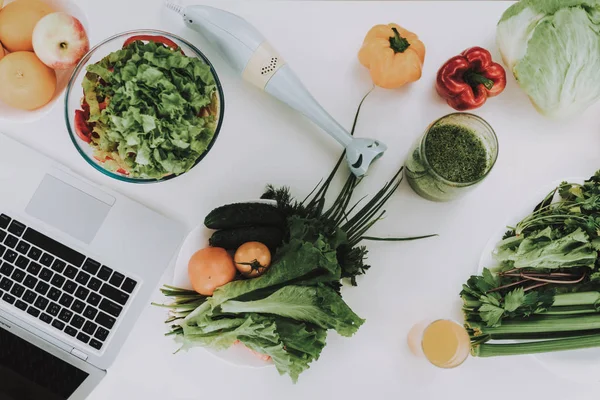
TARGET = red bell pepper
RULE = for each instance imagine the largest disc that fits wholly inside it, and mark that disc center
(157, 39)
(467, 80)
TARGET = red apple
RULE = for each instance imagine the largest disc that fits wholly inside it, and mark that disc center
(60, 40)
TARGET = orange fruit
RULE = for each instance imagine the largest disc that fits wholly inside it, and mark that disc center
(1, 50)
(210, 268)
(17, 21)
(25, 81)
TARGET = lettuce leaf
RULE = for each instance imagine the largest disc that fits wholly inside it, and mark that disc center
(153, 124)
(298, 262)
(291, 344)
(552, 47)
(547, 250)
(321, 306)
(284, 313)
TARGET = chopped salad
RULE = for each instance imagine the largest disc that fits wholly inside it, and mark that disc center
(148, 110)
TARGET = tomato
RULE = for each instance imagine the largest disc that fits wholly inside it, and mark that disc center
(86, 109)
(81, 127)
(252, 259)
(157, 39)
(109, 158)
(210, 268)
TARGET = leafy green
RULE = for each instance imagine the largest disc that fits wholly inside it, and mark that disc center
(546, 285)
(318, 305)
(156, 121)
(286, 312)
(553, 49)
(483, 302)
(283, 313)
(292, 345)
(545, 250)
(299, 344)
(297, 262)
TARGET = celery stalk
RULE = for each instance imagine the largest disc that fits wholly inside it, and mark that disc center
(539, 335)
(508, 349)
(573, 299)
(539, 324)
(570, 310)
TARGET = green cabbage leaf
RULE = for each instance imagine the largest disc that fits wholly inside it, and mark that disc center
(552, 47)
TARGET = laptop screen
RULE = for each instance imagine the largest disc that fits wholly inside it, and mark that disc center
(29, 373)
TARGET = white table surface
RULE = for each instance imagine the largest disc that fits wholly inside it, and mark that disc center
(262, 141)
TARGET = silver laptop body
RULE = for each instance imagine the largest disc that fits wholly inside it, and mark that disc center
(78, 264)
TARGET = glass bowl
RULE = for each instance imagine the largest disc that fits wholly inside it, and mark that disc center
(74, 96)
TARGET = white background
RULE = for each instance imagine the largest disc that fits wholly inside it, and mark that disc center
(262, 141)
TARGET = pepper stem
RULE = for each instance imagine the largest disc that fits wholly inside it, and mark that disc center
(474, 79)
(256, 266)
(398, 43)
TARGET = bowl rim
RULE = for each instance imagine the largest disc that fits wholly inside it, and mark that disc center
(84, 60)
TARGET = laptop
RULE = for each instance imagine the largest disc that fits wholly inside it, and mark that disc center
(78, 264)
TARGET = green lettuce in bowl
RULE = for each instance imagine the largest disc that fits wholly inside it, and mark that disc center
(149, 112)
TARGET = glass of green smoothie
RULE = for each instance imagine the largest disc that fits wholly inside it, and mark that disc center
(455, 153)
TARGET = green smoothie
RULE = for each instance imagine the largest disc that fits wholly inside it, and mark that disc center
(455, 153)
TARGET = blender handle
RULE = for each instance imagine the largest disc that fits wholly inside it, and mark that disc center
(288, 88)
(268, 71)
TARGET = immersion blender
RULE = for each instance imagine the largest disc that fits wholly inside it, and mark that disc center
(248, 52)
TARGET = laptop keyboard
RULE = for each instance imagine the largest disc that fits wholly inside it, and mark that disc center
(58, 285)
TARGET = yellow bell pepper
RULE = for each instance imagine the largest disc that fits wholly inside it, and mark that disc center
(393, 55)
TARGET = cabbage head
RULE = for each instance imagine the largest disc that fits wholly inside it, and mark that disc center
(552, 48)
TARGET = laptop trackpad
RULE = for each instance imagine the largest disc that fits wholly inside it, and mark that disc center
(68, 208)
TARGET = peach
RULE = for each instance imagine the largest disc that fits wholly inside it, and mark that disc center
(60, 40)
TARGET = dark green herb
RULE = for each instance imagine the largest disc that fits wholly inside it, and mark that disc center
(456, 153)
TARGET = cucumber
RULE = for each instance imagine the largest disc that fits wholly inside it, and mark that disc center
(244, 215)
(231, 239)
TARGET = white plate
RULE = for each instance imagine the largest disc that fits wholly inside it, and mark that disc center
(196, 240)
(577, 365)
(8, 113)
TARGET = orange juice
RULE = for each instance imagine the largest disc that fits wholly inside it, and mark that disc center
(445, 343)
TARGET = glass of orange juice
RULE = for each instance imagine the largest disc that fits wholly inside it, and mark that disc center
(443, 342)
